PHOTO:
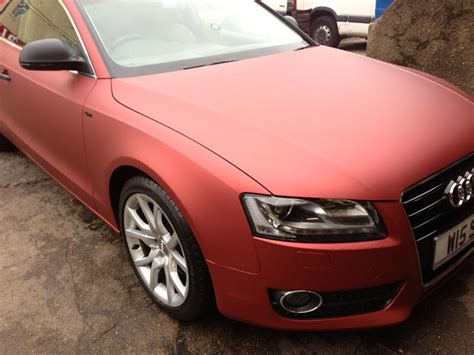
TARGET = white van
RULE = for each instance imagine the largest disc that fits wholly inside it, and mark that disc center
(328, 21)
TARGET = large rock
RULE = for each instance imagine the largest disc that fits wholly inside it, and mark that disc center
(435, 36)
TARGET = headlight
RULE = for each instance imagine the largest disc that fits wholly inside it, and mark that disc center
(320, 221)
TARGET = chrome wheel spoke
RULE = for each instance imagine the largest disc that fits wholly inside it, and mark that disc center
(171, 240)
(156, 266)
(178, 285)
(180, 261)
(169, 283)
(137, 220)
(158, 216)
(144, 261)
(144, 206)
(143, 236)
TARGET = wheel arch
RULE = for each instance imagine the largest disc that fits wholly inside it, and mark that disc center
(126, 169)
(189, 185)
(322, 11)
(117, 181)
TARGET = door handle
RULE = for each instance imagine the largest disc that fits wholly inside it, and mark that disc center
(5, 76)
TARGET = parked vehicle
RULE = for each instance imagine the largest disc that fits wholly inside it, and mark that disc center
(328, 21)
(329, 207)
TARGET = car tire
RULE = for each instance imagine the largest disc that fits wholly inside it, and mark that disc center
(324, 31)
(166, 256)
(5, 145)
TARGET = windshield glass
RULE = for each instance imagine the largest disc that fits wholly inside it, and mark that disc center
(139, 37)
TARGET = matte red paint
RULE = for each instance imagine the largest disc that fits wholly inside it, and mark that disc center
(359, 129)
(340, 135)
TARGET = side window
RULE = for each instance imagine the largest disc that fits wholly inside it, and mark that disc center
(25, 21)
(9, 24)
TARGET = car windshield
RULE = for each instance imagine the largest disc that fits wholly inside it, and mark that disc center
(139, 37)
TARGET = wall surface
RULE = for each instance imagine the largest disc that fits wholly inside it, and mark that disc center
(435, 36)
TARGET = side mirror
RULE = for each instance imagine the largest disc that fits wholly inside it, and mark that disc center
(292, 20)
(48, 55)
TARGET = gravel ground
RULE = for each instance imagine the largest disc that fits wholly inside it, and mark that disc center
(66, 287)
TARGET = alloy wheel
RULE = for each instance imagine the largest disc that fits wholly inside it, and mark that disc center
(156, 250)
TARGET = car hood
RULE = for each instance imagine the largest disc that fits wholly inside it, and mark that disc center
(314, 123)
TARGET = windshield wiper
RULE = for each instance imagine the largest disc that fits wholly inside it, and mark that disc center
(208, 65)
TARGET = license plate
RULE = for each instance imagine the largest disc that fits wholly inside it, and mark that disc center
(453, 242)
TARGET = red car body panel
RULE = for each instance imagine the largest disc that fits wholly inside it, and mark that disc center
(44, 113)
(337, 136)
(327, 267)
(366, 130)
(141, 143)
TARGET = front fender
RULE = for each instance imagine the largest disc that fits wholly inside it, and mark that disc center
(204, 186)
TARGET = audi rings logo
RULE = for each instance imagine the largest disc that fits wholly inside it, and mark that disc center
(461, 191)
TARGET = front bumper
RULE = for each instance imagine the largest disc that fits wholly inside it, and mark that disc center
(328, 268)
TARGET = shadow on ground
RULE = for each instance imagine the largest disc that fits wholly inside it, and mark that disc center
(66, 286)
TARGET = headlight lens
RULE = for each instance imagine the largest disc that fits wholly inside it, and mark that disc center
(322, 220)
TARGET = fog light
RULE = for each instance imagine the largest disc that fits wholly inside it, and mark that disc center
(299, 302)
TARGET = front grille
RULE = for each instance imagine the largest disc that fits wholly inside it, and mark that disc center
(344, 303)
(431, 215)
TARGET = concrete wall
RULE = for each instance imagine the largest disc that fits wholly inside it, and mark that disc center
(435, 36)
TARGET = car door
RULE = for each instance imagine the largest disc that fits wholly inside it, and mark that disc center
(6, 38)
(3, 78)
(42, 112)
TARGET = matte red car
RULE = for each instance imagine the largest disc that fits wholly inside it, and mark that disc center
(295, 186)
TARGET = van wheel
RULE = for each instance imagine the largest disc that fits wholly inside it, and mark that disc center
(324, 31)
(5, 145)
(163, 251)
